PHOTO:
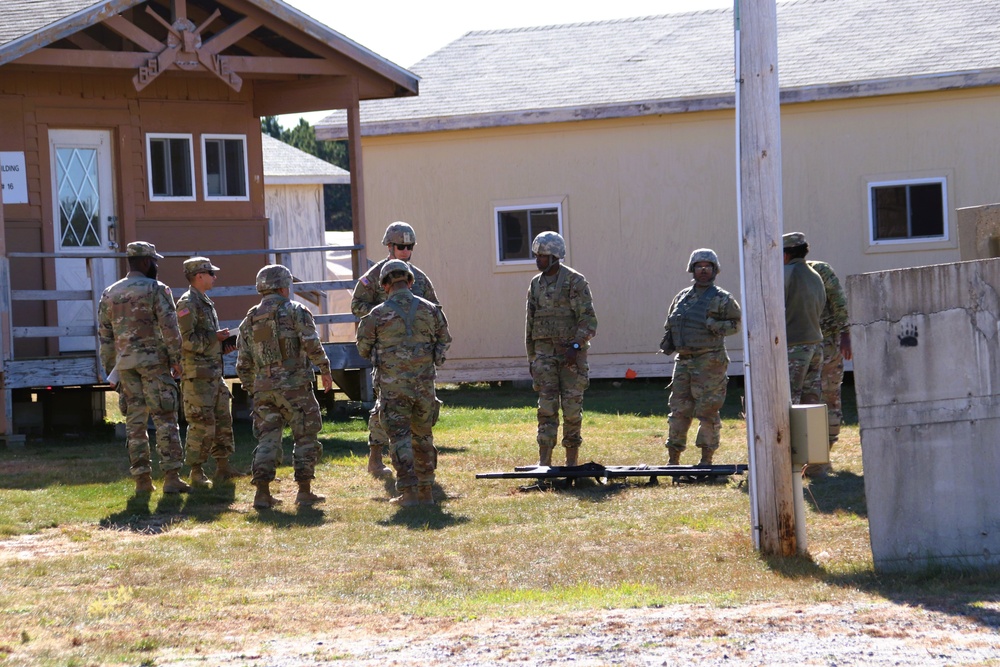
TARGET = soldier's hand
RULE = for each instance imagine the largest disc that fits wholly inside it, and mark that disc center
(845, 345)
(175, 371)
(571, 355)
(222, 334)
(327, 379)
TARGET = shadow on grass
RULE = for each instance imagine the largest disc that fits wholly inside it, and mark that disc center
(424, 517)
(290, 516)
(841, 491)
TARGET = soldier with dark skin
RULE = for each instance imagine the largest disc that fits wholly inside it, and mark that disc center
(559, 323)
(139, 339)
(400, 240)
(407, 338)
(206, 397)
(699, 319)
(278, 347)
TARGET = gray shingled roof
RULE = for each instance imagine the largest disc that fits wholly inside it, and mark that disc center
(682, 62)
(284, 164)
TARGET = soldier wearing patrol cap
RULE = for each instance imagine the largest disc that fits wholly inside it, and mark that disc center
(407, 338)
(805, 298)
(139, 339)
(278, 347)
(699, 319)
(559, 323)
(206, 397)
(400, 239)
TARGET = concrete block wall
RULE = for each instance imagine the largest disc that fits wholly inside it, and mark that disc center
(927, 375)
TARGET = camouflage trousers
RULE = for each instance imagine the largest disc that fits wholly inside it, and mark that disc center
(831, 378)
(272, 410)
(377, 437)
(697, 390)
(408, 415)
(210, 421)
(560, 384)
(805, 363)
(147, 392)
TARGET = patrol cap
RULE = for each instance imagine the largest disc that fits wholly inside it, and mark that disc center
(393, 266)
(196, 265)
(142, 249)
(793, 240)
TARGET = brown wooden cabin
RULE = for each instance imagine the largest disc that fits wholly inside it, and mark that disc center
(128, 120)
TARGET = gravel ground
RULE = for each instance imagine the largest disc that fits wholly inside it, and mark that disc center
(878, 634)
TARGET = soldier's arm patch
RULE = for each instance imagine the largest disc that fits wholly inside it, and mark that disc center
(183, 312)
(365, 281)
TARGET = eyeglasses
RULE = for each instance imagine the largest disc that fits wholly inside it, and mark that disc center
(211, 273)
(404, 246)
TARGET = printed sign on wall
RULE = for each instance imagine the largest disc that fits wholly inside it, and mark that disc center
(13, 179)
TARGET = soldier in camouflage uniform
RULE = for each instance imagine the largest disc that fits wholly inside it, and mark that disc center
(278, 347)
(699, 319)
(805, 298)
(836, 348)
(559, 323)
(400, 239)
(206, 397)
(139, 339)
(407, 338)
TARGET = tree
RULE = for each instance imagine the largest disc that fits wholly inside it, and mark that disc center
(336, 198)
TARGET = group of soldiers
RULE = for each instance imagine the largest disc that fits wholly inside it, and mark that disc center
(702, 315)
(151, 345)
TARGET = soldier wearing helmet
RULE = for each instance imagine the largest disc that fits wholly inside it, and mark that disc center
(400, 239)
(698, 321)
(406, 337)
(559, 323)
(278, 347)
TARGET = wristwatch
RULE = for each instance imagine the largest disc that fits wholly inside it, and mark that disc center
(575, 345)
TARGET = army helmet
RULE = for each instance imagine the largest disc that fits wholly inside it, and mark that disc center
(399, 233)
(549, 243)
(703, 255)
(392, 266)
(273, 277)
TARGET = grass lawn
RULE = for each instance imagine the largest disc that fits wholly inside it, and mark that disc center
(89, 575)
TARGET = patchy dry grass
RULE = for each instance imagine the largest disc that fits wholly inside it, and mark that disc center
(91, 575)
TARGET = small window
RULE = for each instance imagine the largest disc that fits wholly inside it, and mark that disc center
(908, 211)
(170, 166)
(225, 158)
(517, 227)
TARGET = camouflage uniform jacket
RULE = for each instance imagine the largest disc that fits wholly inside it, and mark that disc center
(278, 346)
(369, 292)
(700, 319)
(201, 350)
(406, 337)
(834, 319)
(137, 324)
(559, 310)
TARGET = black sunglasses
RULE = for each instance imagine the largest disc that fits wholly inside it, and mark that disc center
(211, 273)
(404, 246)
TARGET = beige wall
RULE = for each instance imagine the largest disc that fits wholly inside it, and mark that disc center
(640, 194)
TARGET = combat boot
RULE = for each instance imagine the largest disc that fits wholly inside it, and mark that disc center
(572, 455)
(545, 455)
(425, 494)
(815, 470)
(376, 468)
(706, 456)
(263, 499)
(172, 483)
(223, 471)
(406, 498)
(305, 496)
(675, 456)
(198, 477)
(144, 484)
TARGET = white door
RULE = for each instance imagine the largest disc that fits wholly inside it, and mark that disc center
(84, 219)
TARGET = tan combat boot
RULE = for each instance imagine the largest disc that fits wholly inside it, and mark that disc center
(706, 456)
(572, 455)
(172, 483)
(263, 499)
(406, 498)
(425, 494)
(675, 456)
(198, 477)
(224, 472)
(545, 455)
(305, 496)
(376, 468)
(144, 484)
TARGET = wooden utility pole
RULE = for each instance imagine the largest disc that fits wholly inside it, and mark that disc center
(764, 343)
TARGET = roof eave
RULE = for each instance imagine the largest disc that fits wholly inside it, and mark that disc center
(309, 179)
(791, 95)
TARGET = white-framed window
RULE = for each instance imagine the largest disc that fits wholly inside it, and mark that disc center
(908, 211)
(224, 159)
(515, 226)
(170, 165)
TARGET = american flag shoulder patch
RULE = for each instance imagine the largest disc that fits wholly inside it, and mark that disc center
(365, 281)
(183, 312)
